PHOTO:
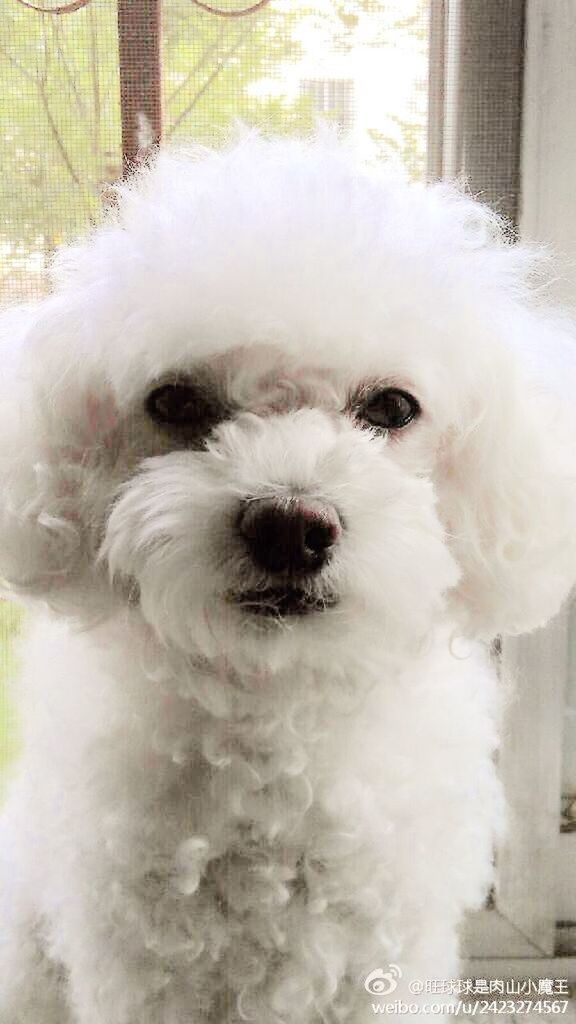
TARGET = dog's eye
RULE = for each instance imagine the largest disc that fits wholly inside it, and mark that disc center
(389, 409)
(181, 405)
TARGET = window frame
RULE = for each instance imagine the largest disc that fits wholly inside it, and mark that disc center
(477, 45)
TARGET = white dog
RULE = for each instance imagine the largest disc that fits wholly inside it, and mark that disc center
(279, 445)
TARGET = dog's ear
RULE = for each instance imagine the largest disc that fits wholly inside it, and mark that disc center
(42, 455)
(508, 485)
(35, 532)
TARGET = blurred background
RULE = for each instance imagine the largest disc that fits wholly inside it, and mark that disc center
(84, 89)
(479, 90)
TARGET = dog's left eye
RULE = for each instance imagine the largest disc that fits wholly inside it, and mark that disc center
(389, 409)
(181, 406)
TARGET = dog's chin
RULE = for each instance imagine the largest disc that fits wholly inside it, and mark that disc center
(277, 603)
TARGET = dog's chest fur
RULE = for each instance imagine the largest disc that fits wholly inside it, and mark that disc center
(244, 846)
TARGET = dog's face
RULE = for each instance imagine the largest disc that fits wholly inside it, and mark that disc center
(282, 503)
(300, 422)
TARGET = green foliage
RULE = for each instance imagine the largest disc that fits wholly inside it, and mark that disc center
(60, 106)
(59, 121)
(212, 68)
(408, 145)
(416, 22)
(60, 126)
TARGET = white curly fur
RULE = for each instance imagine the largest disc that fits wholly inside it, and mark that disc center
(218, 818)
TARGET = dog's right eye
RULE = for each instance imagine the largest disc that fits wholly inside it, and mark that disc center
(181, 405)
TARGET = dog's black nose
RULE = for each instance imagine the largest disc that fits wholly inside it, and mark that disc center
(293, 537)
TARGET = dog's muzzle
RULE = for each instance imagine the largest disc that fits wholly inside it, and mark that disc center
(291, 541)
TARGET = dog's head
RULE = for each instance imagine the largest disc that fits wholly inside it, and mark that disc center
(278, 401)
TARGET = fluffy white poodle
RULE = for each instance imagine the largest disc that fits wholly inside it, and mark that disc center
(284, 443)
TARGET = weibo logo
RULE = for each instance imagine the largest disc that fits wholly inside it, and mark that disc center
(380, 982)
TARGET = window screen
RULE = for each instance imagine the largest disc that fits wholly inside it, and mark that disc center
(81, 89)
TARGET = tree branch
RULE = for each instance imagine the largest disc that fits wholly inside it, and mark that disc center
(196, 99)
(18, 65)
(66, 65)
(197, 67)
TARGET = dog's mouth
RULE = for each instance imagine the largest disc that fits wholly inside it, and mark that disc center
(281, 602)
